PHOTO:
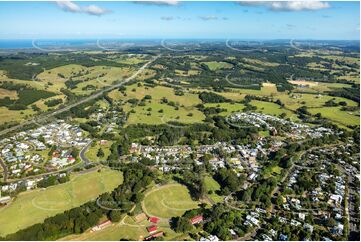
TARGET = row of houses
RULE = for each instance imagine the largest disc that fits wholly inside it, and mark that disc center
(297, 131)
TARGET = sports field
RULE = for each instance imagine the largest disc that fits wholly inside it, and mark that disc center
(34, 206)
(168, 201)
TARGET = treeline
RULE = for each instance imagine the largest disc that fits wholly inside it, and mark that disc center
(214, 129)
(53, 102)
(26, 95)
(79, 219)
(210, 97)
(53, 180)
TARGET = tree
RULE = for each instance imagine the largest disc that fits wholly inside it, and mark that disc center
(115, 216)
(182, 225)
(100, 153)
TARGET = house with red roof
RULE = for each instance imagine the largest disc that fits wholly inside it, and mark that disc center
(158, 234)
(197, 219)
(153, 220)
(152, 228)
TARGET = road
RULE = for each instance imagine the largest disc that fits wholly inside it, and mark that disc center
(82, 156)
(84, 161)
(72, 105)
(5, 169)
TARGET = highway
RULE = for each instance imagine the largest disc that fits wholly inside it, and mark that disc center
(72, 105)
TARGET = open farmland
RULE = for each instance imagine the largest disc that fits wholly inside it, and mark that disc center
(34, 206)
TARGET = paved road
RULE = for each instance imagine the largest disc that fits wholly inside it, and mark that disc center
(5, 169)
(72, 105)
(82, 156)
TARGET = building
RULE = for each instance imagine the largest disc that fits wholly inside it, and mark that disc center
(197, 219)
(158, 234)
(101, 225)
(152, 229)
(5, 200)
(153, 220)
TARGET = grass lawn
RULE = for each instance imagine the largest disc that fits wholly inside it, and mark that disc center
(149, 114)
(34, 206)
(229, 106)
(91, 154)
(273, 109)
(124, 231)
(158, 92)
(7, 115)
(168, 201)
(213, 185)
(260, 62)
(169, 114)
(272, 171)
(215, 65)
(337, 116)
(296, 100)
(8, 93)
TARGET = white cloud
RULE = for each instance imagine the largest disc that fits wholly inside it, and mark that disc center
(95, 10)
(290, 5)
(160, 2)
(69, 6)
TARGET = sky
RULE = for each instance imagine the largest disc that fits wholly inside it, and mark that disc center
(177, 19)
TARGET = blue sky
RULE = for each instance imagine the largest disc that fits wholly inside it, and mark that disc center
(271, 20)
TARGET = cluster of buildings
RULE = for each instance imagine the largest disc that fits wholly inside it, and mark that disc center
(240, 157)
(326, 195)
(25, 184)
(28, 153)
(295, 130)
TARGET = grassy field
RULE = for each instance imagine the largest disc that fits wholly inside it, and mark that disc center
(8, 93)
(168, 201)
(337, 116)
(169, 114)
(213, 186)
(34, 206)
(318, 87)
(271, 171)
(7, 115)
(236, 107)
(91, 154)
(218, 65)
(126, 230)
(273, 109)
(149, 114)
(260, 62)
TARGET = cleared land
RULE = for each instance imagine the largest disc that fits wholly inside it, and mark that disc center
(155, 112)
(231, 107)
(215, 65)
(273, 109)
(212, 188)
(168, 201)
(34, 206)
(92, 152)
(338, 116)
